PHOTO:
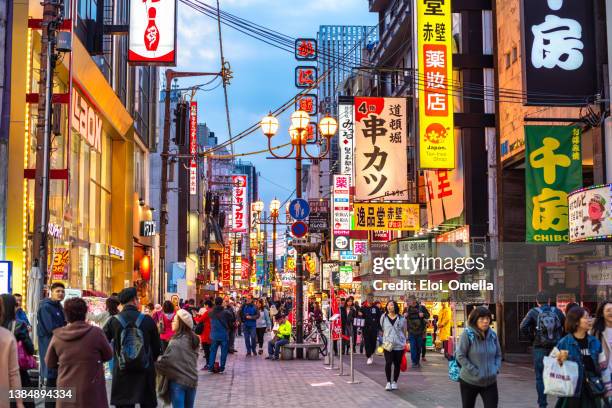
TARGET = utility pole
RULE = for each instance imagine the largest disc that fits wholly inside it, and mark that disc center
(163, 214)
(52, 20)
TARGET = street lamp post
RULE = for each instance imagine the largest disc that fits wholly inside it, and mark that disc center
(299, 134)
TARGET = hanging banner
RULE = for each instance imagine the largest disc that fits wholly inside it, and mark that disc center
(435, 58)
(559, 48)
(240, 203)
(193, 148)
(226, 263)
(345, 136)
(389, 216)
(380, 143)
(60, 264)
(553, 168)
(341, 211)
(590, 213)
(444, 192)
(336, 324)
(152, 32)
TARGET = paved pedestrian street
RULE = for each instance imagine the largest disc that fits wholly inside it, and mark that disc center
(254, 381)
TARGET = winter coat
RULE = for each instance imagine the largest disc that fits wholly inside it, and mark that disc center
(570, 344)
(480, 358)
(530, 322)
(251, 310)
(179, 363)
(205, 318)
(50, 316)
(371, 316)
(79, 350)
(445, 322)
(346, 317)
(394, 333)
(134, 387)
(9, 366)
(263, 321)
(167, 333)
(221, 320)
(416, 324)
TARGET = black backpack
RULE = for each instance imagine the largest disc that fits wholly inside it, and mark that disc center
(548, 327)
(133, 354)
(199, 328)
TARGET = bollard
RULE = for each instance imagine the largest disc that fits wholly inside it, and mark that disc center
(352, 381)
(330, 351)
(341, 347)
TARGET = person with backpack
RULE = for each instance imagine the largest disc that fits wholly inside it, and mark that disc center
(249, 313)
(393, 327)
(544, 325)
(479, 355)
(136, 345)
(179, 363)
(202, 329)
(79, 351)
(164, 323)
(221, 321)
(25, 348)
(416, 316)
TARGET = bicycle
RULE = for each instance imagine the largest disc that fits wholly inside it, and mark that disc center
(313, 333)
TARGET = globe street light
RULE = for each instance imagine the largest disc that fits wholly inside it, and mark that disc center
(298, 131)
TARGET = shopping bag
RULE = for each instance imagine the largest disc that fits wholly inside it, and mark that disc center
(404, 364)
(560, 380)
(454, 369)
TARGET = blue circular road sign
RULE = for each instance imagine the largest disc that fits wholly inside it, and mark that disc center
(299, 209)
(299, 229)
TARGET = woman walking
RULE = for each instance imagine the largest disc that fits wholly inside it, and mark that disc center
(479, 355)
(78, 351)
(9, 321)
(394, 342)
(263, 324)
(164, 325)
(179, 363)
(585, 350)
(602, 330)
(9, 367)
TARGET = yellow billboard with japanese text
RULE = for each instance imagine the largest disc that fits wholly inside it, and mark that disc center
(385, 216)
(434, 84)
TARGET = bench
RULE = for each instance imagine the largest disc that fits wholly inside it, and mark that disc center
(312, 350)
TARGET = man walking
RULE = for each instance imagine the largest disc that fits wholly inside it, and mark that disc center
(544, 325)
(50, 316)
(136, 346)
(248, 316)
(221, 323)
(371, 315)
(416, 316)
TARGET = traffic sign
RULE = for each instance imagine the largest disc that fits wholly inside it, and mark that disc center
(299, 229)
(299, 209)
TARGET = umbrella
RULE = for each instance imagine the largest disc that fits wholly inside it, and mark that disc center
(33, 300)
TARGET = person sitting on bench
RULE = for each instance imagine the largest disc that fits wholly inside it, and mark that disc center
(282, 335)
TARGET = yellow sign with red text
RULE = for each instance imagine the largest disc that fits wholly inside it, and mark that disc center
(434, 82)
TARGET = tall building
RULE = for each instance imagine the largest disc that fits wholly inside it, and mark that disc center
(99, 175)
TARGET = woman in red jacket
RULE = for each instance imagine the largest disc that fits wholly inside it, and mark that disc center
(164, 324)
(204, 318)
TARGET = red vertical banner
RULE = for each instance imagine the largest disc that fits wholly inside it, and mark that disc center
(336, 325)
(193, 148)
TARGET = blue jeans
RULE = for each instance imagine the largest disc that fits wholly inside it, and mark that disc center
(538, 366)
(416, 346)
(181, 396)
(250, 338)
(274, 347)
(213, 353)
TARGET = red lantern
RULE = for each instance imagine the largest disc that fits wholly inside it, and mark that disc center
(145, 267)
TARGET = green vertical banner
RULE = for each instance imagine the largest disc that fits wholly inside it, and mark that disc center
(553, 168)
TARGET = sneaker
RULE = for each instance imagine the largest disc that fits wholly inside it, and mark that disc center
(394, 385)
(205, 368)
(415, 366)
(248, 354)
(388, 386)
(370, 361)
(260, 352)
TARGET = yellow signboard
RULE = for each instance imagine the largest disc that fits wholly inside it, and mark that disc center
(435, 57)
(385, 216)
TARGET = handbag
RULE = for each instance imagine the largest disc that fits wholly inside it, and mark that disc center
(25, 361)
(388, 345)
(454, 369)
(163, 388)
(595, 384)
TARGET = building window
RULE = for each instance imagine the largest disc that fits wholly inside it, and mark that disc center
(507, 58)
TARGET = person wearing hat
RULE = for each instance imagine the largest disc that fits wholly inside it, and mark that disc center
(131, 387)
(179, 362)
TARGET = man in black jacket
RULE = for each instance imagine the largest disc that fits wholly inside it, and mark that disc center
(133, 387)
(416, 318)
(371, 315)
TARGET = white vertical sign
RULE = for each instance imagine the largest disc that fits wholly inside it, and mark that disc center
(341, 216)
(345, 137)
(152, 36)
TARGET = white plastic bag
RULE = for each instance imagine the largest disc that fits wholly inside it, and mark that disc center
(560, 380)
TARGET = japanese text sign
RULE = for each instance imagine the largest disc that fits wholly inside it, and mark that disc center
(590, 213)
(312, 133)
(559, 48)
(60, 264)
(360, 246)
(239, 203)
(341, 210)
(305, 49)
(318, 221)
(305, 76)
(152, 35)
(553, 168)
(193, 148)
(308, 103)
(380, 148)
(436, 134)
(345, 137)
(388, 216)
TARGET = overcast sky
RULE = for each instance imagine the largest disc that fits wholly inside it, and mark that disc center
(263, 75)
